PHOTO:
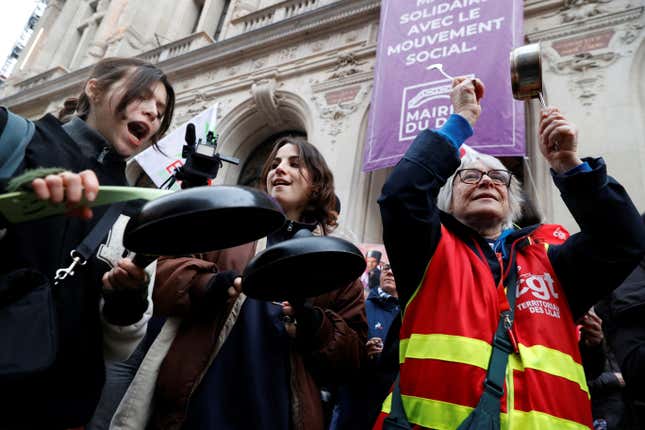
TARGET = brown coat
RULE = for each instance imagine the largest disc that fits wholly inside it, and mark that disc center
(337, 349)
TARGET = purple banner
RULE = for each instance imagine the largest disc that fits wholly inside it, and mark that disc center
(465, 37)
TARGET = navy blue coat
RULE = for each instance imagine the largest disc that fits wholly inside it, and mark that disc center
(380, 310)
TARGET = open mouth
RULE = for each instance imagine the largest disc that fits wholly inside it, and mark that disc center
(138, 129)
(280, 182)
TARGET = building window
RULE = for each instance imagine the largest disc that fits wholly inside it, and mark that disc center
(222, 18)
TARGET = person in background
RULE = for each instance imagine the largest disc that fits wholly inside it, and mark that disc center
(603, 375)
(381, 307)
(622, 314)
(372, 275)
(359, 400)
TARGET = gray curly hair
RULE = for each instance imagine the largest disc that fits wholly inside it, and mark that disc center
(515, 199)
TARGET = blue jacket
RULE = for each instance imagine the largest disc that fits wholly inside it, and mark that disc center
(381, 309)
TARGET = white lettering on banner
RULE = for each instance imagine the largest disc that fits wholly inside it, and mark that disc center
(417, 115)
(435, 30)
(460, 37)
(444, 36)
(465, 30)
(437, 9)
(431, 25)
(437, 53)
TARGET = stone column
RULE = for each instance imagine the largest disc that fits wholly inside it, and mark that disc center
(111, 12)
(62, 37)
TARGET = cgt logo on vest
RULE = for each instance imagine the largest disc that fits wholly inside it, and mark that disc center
(542, 289)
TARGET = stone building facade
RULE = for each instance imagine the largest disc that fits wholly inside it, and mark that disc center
(307, 66)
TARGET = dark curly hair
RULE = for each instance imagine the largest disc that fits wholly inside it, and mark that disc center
(322, 200)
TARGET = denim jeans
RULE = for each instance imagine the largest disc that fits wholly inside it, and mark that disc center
(118, 376)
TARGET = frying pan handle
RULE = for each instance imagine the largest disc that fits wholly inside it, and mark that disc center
(143, 260)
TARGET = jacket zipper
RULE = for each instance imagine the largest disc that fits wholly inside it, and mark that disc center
(103, 153)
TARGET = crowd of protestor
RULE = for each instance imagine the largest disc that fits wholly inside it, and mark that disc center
(470, 322)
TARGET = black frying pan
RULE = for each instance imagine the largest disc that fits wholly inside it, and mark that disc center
(301, 268)
(202, 219)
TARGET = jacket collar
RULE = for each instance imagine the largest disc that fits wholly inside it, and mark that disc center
(475, 242)
(92, 143)
(289, 230)
(378, 295)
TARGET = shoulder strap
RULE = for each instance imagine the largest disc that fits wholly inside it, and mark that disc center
(396, 419)
(503, 344)
(260, 245)
(486, 413)
(86, 248)
(13, 142)
(489, 403)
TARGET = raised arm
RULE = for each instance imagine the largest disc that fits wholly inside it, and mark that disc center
(411, 226)
(611, 241)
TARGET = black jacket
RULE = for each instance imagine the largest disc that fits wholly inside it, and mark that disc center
(65, 395)
(589, 264)
(622, 315)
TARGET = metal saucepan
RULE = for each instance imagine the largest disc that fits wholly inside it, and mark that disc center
(202, 219)
(526, 73)
(300, 268)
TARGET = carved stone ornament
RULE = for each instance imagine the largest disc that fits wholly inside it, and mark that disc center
(244, 7)
(198, 103)
(585, 71)
(575, 10)
(318, 45)
(258, 63)
(336, 102)
(288, 53)
(583, 62)
(587, 87)
(351, 36)
(348, 59)
(334, 128)
(339, 111)
(345, 66)
(632, 32)
(267, 101)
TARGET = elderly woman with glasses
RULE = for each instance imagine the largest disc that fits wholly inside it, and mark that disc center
(488, 327)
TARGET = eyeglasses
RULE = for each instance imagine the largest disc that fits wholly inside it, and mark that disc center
(474, 176)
